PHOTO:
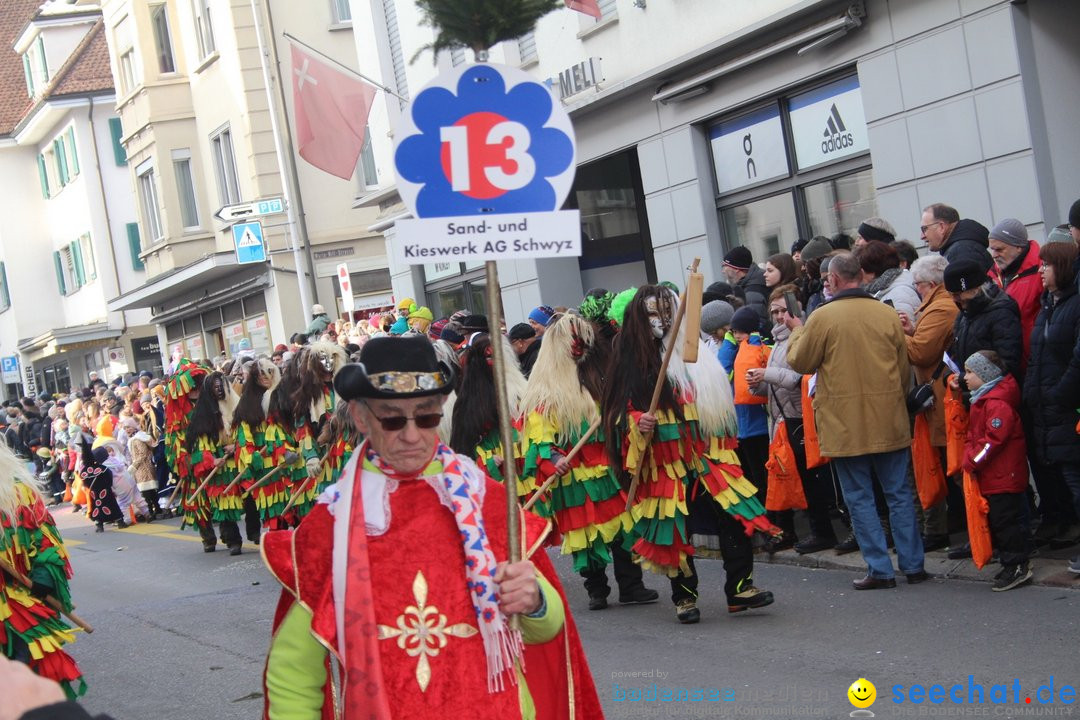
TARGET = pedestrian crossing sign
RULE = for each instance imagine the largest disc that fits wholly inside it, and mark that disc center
(248, 239)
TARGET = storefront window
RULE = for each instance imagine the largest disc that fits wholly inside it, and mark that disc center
(450, 300)
(765, 226)
(840, 204)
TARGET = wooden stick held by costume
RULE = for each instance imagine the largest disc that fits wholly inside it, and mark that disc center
(172, 498)
(48, 599)
(262, 480)
(695, 286)
(307, 482)
(205, 482)
(660, 380)
(570, 456)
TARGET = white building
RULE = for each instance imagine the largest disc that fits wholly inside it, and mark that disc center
(704, 125)
(66, 209)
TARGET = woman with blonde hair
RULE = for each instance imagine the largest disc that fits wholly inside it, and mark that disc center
(31, 631)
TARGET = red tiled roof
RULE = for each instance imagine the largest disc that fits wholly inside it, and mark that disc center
(14, 102)
(87, 70)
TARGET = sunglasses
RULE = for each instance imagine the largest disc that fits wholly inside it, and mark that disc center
(393, 423)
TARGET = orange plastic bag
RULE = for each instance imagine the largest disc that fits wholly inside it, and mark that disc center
(978, 525)
(79, 494)
(956, 422)
(811, 446)
(925, 461)
(749, 357)
(785, 486)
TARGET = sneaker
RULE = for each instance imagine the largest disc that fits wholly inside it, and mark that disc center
(234, 549)
(641, 596)
(779, 542)
(1012, 576)
(749, 599)
(1074, 565)
(847, 545)
(687, 612)
(597, 602)
(814, 544)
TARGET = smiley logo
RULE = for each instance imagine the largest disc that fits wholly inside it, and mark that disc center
(862, 693)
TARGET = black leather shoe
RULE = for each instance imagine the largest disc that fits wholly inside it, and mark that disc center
(597, 603)
(641, 596)
(234, 549)
(935, 542)
(873, 583)
(919, 577)
(847, 545)
(778, 543)
(960, 552)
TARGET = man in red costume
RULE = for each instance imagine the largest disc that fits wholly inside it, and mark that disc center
(396, 582)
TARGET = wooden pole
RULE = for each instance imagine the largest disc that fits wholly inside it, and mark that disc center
(570, 456)
(48, 599)
(658, 388)
(304, 485)
(204, 482)
(260, 481)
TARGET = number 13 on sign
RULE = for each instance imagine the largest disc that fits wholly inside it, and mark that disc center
(485, 155)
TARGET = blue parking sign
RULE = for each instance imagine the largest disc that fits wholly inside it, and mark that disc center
(248, 240)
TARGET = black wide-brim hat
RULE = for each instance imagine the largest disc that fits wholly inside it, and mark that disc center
(394, 367)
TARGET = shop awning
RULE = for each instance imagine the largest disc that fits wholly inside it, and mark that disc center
(162, 288)
(69, 338)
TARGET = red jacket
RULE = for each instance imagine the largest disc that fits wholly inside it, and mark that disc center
(1023, 285)
(994, 427)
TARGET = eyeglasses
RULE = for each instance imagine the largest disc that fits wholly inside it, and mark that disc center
(924, 228)
(393, 423)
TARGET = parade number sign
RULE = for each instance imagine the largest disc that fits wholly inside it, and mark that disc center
(484, 159)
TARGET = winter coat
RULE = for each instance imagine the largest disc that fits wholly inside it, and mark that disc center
(991, 321)
(1022, 282)
(934, 322)
(856, 346)
(753, 420)
(902, 293)
(317, 326)
(756, 294)
(528, 358)
(142, 464)
(968, 241)
(781, 385)
(994, 425)
(1052, 384)
(30, 432)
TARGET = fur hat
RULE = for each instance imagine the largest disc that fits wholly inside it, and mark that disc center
(391, 367)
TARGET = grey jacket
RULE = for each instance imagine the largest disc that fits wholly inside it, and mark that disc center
(782, 385)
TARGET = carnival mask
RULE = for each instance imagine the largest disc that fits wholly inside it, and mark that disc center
(326, 361)
(219, 388)
(660, 315)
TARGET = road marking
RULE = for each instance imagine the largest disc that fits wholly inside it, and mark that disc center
(74, 543)
(159, 531)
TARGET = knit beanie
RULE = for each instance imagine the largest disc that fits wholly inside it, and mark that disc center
(1060, 234)
(715, 315)
(1011, 232)
(435, 329)
(981, 366)
(816, 248)
(541, 315)
(964, 275)
(452, 333)
(521, 331)
(1074, 214)
(739, 258)
(746, 320)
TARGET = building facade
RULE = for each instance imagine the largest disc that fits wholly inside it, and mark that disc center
(205, 125)
(66, 207)
(774, 120)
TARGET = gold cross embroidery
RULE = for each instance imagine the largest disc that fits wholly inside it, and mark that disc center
(422, 631)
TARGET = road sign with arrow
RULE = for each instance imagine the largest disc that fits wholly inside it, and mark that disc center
(248, 239)
(255, 208)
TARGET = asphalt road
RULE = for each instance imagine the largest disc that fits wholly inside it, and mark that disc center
(182, 635)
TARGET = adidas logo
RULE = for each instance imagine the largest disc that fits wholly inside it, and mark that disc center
(836, 133)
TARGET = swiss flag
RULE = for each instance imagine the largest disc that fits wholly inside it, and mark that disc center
(331, 114)
(589, 7)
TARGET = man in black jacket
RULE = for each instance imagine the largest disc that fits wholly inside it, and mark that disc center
(743, 273)
(988, 320)
(956, 239)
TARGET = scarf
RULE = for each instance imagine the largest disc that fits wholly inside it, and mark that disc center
(985, 388)
(883, 281)
(362, 500)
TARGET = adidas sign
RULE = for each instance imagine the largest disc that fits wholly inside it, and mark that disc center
(837, 136)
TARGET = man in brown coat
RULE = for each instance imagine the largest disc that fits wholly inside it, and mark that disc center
(856, 346)
(929, 335)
